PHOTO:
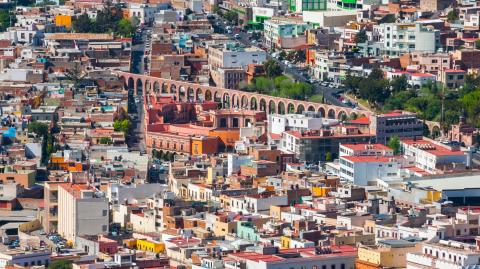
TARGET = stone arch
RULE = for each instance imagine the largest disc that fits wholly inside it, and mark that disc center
(190, 94)
(272, 107)
(131, 83)
(311, 108)
(244, 102)
(321, 111)
(226, 100)
(281, 108)
(208, 95)
(290, 108)
(156, 87)
(182, 93)
(436, 132)
(173, 88)
(235, 101)
(253, 103)
(263, 104)
(342, 115)
(139, 85)
(147, 86)
(199, 97)
(331, 113)
(164, 87)
(217, 97)
(300, 109)
(353, 116)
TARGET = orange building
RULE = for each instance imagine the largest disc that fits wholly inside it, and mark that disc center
(59, 163)
(63, 20)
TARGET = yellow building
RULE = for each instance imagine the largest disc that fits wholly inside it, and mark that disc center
(321, 191)
(284, 242)
(388, 253)
(151, 246)
(63, 20)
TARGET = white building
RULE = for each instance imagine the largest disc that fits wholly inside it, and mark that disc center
(81, 212)
(256, 203)
(234, 56)
(234, 161)
(365, 150)
(120, 193)
(361, 169)
(25, 259)
(432, 156)
(445, 255)
(144, 12)
(416, 80)
(399, 38)
(278, 123)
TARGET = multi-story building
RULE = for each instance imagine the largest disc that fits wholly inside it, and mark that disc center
(434, 157)
(278, 123)
(401, 124)
(361, 169)
(81, 211)
(23, 258)
(234, 55)
(452, 78)
(283, 33)
(399, 38)
(445, 255)
(365, 150)
(386, 254)
(315, 145)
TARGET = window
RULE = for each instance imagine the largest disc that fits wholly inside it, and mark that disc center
(104, 228)
(104, 212)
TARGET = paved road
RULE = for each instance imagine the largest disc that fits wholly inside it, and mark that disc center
(135, 103)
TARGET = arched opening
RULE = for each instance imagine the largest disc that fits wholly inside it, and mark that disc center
(131, 84)
(331, 114)
(164, 88)
(342, 115)
(321, 111)
(244, 102)
(435, 132)
(217, 97)
(182, 94)
(234, 101)
(271, 107)
(139, 87)
(156, 87)
(190, 95)
(253, 103)
(290, 108)
(226, 100)
(199, 95)
(311, 108)
(208, 95)
(353, 116)
(300, 109)
(281, 108)
(147, 87)
(263, 105)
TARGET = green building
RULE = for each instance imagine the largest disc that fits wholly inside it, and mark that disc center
(306, 5)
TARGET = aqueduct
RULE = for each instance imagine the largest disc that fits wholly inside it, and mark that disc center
(190, 92)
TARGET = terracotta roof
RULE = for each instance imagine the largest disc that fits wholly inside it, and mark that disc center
(77, 36)
(368, 159)
(366, 146)
(363, 120)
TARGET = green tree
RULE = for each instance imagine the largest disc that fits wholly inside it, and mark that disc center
(452, 16)
(389, 18)
(361, 36)
(123, 126)
(394, 143)
(471, 103)
(76, 74)
(105, 141)
(477, 44)
(216, 10)
(328, 156)
(82, 24)
(352, 82)
(231, 16)
(282, 55)
(399, 83)
(61, 264)
(272, 68)
(125, 28)
(264, 85)
(40, 129)
(7, 19)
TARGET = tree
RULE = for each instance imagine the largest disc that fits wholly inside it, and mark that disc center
(282, 55)
(361, 36)
(452, 16)
(105, 141)
(394, 143)
(272, 68)
(7, 19)
(125, 28)
(82, 24)
(40, 129)
(122, 126)
(399, 84)
(477, 44)
(328, 156)
(231, 16)
(389, 18)
(61, 264)
(471, 103)
(352, 82)
(216, 10)
(76, 74)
